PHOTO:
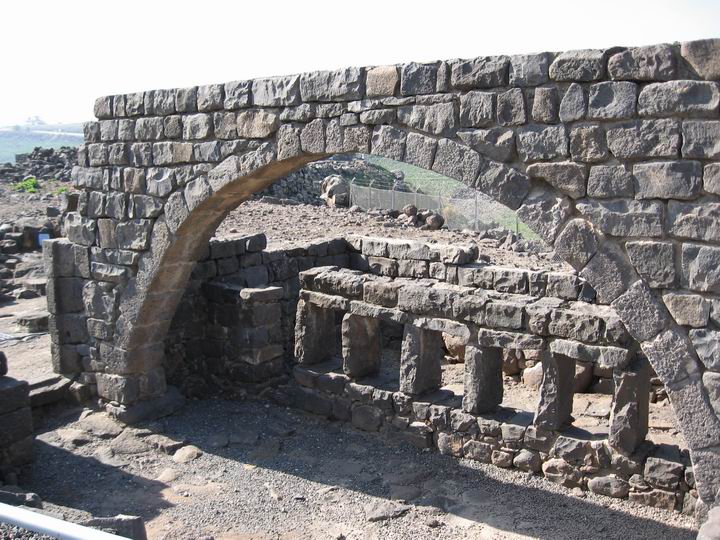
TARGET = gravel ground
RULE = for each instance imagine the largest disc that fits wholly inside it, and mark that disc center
(267, 472)
(290, 224)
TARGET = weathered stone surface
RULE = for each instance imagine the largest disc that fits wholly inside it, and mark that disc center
(624, 218)
(483, 379)
(641, 312)
(668, 180)
(506, 185)
(527, 460)
(237, 94)
(608, 181)
(703, 55)
(381, 81)
(276, 91)
(420, 150)
(701, 267)
(210, 97)
(456, 161)
(629, 412)
(495, 143)
(418, 79)
(584, 65)
(545, 105)
(556, 392)
(644, 138)
(511, 108)
(545, 211)
(654, 262)
(612, 100)
(420, 369)
(701, 139)
(436, 119)
(561, 472)
(688, 309)
(574, 104)
(651, 63)
(711, 178)
(672, 356)
(486, 72)
(707, 346)
(389, 142)
(587, 144)
(609, 273)
(256, 124)
(576, 243)
(610, 486)
(367, 417)
(361, 345)
(679, 97)
(694, 221)
(341, 85)
(313, 324)
(477, 109)
(529, 69)
(535, 143)
(567, 177)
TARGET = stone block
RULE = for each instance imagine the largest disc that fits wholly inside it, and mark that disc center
(381, 81)
(651, 63)
(668, 180)
(14, 394)
(276, 91)
(629, 412)
(703, 55)
(456, 161)
(420, 150)
(588, 144)
(511, 108)
(256, 124)
(687, 98)
(420, 369)
(538, 142)
(418, 79)
(436, 119)
(506, 185)
(694, 221)
(582, 65)
(546, 105)
(483, 379)
(574, 104)
(604, 357)
(609, 273)
(484, 72)
(700, 266)
(654, 262)
(341, 85)
(688, 309)
(576, 243)
(17, 425)
(556, 391)
(361, 345)
(568, 177)
(612, 100)
(641, 312)
(545, 211)
(623, 218)
(645, 138)
(672, 356)
(314, 333)
(477, 109)
(529, 69)
(707, 345)
(495, 143)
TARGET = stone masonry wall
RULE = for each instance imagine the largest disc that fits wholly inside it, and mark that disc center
(611, 156)
(16, 435)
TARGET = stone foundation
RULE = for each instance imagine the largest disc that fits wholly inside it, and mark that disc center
(16, 433)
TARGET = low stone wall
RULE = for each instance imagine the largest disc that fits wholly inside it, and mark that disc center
(16, 435)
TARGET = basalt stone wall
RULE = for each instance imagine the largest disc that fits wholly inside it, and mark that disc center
(16, 436)
(610, 155)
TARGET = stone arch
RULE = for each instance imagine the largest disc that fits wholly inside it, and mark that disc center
(417, 113)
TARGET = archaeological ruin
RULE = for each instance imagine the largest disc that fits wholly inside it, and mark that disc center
(611, 156)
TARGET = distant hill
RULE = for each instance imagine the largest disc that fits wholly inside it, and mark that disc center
(22, 139)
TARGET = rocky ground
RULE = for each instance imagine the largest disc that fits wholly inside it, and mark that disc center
(250, 470)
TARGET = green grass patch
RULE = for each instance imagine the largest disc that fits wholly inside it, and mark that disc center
(29, 185)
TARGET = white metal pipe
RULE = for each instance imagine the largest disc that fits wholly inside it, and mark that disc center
(50, 526)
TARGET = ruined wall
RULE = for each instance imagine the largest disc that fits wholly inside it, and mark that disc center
(610, 155)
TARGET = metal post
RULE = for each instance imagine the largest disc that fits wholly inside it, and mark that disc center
(476, 225)
(392, 197)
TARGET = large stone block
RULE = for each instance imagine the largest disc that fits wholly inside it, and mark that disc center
(420, 150)
(701, 139)
(556, 392)
(511, 108)
(624, 218)
(276, 91)
(609, 181)
(255, 124)
(588, 144)
(672, 356)
(654, 262)
(576, 243)
(529, 69)
(685, 98)
(688, 309)
(456, 161)
(668, 180)
(574, 104)
(694, 221)
(505, 184)
(535, 143)
(436, 119)
(483, 379)
(704, 57)
(485, 72)
(609, 273)
(237, 94)
(644, 138)
(14, 394)
(381, 81)
(583, 65)
(568, 177)
(545, 105)
(707, 346)
(418, 79)
(545, 211)
(314, 333)
(612, 100)
(340, 85)
(701, 268)
(16, 425)
(420, 357)
(477, 109)
(630, 407)
(496, 143)
(651, 63)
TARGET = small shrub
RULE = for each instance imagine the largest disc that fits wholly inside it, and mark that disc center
(61, 190)
(29, 185)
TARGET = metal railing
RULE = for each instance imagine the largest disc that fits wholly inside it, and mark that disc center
(474, 211)
(50, 526)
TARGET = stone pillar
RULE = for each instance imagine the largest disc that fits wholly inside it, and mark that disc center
(630, 407)
(361, 345)
(483, 379)
(422, 351)
(556, 391)
(16, 432)
(314, 333)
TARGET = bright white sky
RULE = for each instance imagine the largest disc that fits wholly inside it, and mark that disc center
(57, 56)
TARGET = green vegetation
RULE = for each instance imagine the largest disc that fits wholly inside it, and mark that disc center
(29, 185)
(426, 181)
(61, 190)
